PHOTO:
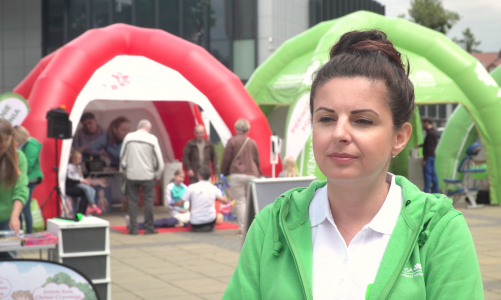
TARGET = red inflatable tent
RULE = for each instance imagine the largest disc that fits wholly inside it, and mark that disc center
(126, 63)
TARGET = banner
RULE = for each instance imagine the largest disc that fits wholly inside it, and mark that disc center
(14, 108)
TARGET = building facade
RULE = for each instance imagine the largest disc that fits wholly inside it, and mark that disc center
(241, 34)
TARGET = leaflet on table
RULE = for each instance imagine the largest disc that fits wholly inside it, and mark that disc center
(39, 238)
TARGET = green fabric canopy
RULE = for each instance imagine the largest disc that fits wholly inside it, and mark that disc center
(441, 71)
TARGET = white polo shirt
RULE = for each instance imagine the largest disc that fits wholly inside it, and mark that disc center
(202, 196)
(341, 272)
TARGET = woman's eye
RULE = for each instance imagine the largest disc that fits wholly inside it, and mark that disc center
(364, 121)
(326, 119)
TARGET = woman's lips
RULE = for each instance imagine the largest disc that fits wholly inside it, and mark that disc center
(342, 157)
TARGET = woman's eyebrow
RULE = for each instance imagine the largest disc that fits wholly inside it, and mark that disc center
(326, 109)
(358, 111)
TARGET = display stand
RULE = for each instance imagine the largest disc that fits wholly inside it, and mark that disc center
(262, 192)
(84, 245)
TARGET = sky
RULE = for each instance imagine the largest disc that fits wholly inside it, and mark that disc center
(483, 17)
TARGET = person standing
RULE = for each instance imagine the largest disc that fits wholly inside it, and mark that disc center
(13, 181)
(199, 152)
(241, 161)
(89, 132)
(429, 145)
(31, 149)
(142, 162)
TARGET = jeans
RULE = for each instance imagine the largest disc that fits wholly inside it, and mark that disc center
(5, 226)
(89, 191)
(26, 212)
(430, 176)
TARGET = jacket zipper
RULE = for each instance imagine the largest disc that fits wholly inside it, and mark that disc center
(394, 278)
(292, 246)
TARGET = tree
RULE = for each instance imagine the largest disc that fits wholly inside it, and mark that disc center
(432, 14)
(468, 42)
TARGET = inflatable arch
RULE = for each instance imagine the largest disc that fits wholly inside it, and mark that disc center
(137, 69)
(441, 71)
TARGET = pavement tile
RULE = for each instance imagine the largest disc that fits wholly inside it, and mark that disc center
(216, 296)
(488, 295)
(124, 296)
(188, 275)
(200, 285)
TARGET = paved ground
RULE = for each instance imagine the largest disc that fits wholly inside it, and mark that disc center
(189, 265)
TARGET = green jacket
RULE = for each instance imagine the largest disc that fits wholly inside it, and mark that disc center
(31, 150)
(430, 254)
(18, 192)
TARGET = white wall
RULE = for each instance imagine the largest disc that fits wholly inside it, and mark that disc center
(278, 21)
(20, 40)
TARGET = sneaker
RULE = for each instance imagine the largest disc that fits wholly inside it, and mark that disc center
(93, 209)
(97, 210)
(133, 232)
(127, 221)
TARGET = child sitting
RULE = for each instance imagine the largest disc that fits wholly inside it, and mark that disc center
(74, 177)
(173, 194)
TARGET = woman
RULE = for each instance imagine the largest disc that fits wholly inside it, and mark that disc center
(111, 141)
(31, 149)
(289, 167)
(241, 160)
(14, 179)
(364, 233)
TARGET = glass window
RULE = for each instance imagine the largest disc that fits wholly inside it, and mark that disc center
(122, 11)
(77, 18)
(169, 16)
(221, 50)
(193, 21)
(422, 110)
(54, 32)
(244, 58)
(244, 19)
(100, 13)
(442, 111)
(432, 111)
(145, 13)
(220, 21)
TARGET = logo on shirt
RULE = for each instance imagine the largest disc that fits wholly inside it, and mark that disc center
(413, 272)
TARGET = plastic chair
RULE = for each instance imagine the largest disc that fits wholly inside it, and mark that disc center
(466, 167)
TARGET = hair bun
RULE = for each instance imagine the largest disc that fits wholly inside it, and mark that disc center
(365, 42)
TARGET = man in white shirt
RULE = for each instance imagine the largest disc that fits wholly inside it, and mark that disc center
(142, 162)
(202, 196)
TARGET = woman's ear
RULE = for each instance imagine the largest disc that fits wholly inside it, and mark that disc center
(402, 137)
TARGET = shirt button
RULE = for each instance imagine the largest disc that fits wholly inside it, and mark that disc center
(340, 281)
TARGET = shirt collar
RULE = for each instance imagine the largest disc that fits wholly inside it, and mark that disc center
(383, 222)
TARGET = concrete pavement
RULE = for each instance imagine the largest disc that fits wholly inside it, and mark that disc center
(186, 265)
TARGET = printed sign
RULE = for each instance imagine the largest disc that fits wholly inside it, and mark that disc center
(14, 108)
(299, 127)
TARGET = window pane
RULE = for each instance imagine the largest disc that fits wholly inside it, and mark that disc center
(244, 58)
(122, 11)
(77, 18)
(55, 20)
(145, 13)
(193, 21)
(219, 19)
(244, 19)
(221, 50)
(169, 16)
(100, 13)
(422, 111)
(442, 111)
(432, 111)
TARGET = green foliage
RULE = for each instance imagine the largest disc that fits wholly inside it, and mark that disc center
(468, 42)
(62, 277)
(432, 14)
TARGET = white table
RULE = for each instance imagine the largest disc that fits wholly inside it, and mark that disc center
(40, 248)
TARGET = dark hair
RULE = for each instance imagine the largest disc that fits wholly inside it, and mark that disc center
(204, 172)
(12, 172)
(371, 55)
(114, 125)
(87, 115)
(426, 120)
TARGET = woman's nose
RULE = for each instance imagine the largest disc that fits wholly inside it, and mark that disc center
(341, 133)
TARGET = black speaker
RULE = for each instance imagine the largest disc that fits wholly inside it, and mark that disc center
(58, 124)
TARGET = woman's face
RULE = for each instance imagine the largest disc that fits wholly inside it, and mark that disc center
(122, 130)
(353, 134)
(77, 159)
(5, 141)
(178, 179)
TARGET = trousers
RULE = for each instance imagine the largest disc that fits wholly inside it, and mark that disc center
(430, 176)
(239, 184)
(147, 187)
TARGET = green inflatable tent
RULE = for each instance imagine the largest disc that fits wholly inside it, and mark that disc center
(441, 71)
